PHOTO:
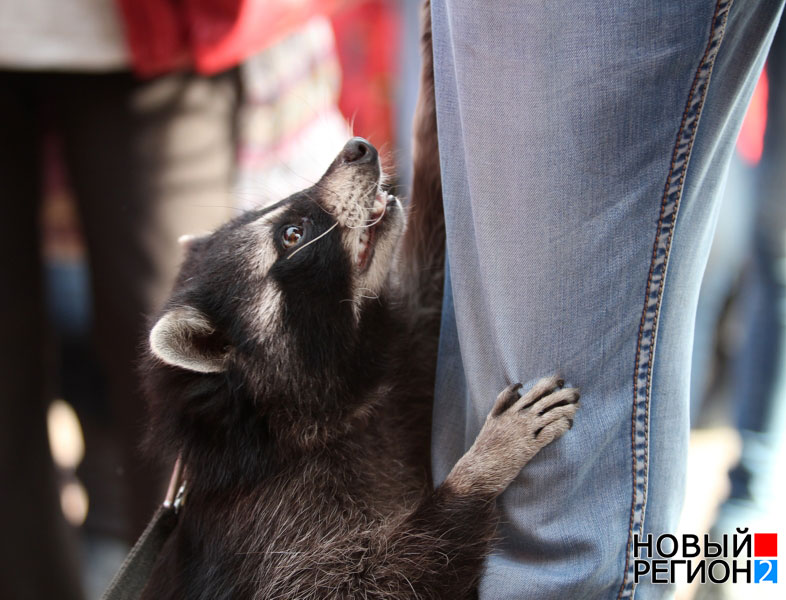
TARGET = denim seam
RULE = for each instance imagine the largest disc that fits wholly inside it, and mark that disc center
(645, 349)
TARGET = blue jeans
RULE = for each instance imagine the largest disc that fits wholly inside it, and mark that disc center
(582, 147)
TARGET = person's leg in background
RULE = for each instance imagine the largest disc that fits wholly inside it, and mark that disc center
(727, 259)
(757, 366)
(37, 558)
(149, 161)
(566, 131)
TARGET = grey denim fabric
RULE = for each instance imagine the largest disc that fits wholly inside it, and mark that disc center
(583, 146)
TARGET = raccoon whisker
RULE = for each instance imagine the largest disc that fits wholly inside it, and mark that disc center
(383, 177)
(321, 235)
(287, 165)
(374, 297)
(324, 188)
(237, 208)
(367, 289)
(368, 224)
(359, 296)
(366, 190)
(319, 206)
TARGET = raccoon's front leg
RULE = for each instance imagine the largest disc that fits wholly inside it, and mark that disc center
(515, 430)
(439, 549)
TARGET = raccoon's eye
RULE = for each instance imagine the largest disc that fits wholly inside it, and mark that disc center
(292, 236)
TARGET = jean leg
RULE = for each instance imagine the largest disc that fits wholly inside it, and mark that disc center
(566, 131)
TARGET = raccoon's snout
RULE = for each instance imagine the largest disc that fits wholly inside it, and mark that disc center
(358, 151)
(350, 189)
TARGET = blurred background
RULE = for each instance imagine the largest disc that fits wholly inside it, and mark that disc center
(125, 124)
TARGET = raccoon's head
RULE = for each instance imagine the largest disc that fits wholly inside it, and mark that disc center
(281, 293)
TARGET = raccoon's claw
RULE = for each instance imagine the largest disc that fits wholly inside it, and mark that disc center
(513, 393)
(546, 402)
(506, 398)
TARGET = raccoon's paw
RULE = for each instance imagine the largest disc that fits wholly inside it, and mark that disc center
(517, 427)
(542, 414)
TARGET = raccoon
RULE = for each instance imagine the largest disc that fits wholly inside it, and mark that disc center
(292, 371)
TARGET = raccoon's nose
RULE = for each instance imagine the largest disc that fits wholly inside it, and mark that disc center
(359, 152)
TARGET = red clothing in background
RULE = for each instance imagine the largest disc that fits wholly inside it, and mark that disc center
(367, 40)
(750, 143)
(210, 35)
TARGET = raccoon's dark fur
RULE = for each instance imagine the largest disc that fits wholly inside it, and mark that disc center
(292, 370)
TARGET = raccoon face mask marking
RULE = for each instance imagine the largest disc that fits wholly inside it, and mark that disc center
(275, 281)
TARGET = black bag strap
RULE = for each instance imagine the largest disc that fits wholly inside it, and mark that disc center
(134, 573)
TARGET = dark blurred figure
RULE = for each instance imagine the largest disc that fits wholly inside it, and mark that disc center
(744, 286)
(144, 98)
(758, 363)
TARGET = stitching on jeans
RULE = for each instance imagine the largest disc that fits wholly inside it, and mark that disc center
(667, 219)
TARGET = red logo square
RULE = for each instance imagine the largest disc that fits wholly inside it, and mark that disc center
(765, 544)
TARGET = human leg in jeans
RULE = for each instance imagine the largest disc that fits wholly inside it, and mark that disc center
(582, 147)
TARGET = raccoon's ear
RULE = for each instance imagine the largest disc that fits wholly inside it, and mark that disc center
(189, 239)
(185, 338)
